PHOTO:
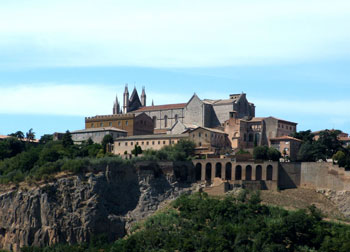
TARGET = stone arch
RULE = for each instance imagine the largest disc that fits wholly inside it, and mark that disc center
(258, 172)
(228, 171)
(238, 172)
(269, 172)
(198, 171)
(218, 168)
(248, 172)
(208, 171)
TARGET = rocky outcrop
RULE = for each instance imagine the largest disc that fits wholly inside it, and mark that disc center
(340, 198)
(72, 209)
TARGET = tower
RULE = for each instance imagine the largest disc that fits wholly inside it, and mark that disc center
(143, 97)
(116, 107)
(126, 100)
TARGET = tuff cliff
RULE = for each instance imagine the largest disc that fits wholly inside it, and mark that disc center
(72, 209)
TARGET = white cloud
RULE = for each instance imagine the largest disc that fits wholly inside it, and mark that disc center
(67, 99)
(171, 33)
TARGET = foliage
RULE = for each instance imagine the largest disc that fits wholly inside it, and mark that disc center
(325, 147)
(266, 153)
(137, 150)
(67, 139)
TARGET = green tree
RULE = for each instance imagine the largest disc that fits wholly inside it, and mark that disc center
(260, 153)
(107, 139)
(67, 139)
(273, 154)
(19, 134)
(30, 135)
(137, 150)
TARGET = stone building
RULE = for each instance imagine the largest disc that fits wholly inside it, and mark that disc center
(205, 113)
(139, 124)
(96, 134)
(257, 131)
(210, 141)
(124, 145)
(287, 145)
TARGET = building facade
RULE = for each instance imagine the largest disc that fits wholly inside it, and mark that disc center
(139, 124)
(124, 145)
(96, 134)
(288, 146)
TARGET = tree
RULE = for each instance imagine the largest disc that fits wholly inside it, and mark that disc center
(260, 153)
(273, 154)
(67, 139)
(305, 136)
(107, 139)
(30, 135)
(46, 138)
(19, 134)
(137, 150)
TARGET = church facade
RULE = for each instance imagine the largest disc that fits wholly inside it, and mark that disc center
(204, 113)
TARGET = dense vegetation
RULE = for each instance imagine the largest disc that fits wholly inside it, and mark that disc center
(327, 146)
(266, 153)
(200, 223)
(21, 160)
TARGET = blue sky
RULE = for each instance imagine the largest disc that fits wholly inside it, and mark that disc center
(63, 60)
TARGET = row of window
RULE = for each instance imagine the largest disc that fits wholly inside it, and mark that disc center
(287, 127)
(251, 137)
(150, 142)
(213, 135)
(109, 124)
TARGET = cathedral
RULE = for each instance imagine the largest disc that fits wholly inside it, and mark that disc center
(204, 113)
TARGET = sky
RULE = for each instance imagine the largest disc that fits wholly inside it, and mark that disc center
(61, 61)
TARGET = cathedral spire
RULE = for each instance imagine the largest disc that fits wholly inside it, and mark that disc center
(126, 100)
(143, 97)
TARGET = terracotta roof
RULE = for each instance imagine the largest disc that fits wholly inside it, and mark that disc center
(344, 139)
(4, 137)
(286, 138)
(151, 137)
(162, 107)
(98, 130)
(23, 140)
(210, 129)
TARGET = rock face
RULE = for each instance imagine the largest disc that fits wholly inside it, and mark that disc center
(340, 198)
(73, 209)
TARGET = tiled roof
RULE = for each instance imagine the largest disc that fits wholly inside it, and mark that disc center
(286, 138)
(162, 107)
(344, 139)
(152, 137)
(210, 129)
(98, 130)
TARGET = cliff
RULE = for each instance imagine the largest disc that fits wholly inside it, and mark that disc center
(72, 209)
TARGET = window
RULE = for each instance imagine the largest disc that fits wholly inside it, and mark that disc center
(154, 121)
(199, 134)
(142, 143)
(163, 142)
(119, 123)
(132, 143)
(176, 118)
(147, 143)
(137, 143)
(118, 144)
(158, 142)
(110, 124)
(126, 123)
(152, 142)
(101, 124)
(200, 144)
(126, 143)
(206, 135)
(92, 125)
(165, 121)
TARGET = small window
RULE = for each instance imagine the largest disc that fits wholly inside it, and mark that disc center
(92, 125)
(176, 118)
(199, 134)
(200, 144)
(158, 142)
(206, 135)
(119, 123)
(110, 124)
(165, 121)
(126, 143)
(152, 142)
(163, 142)
(147, 143)
(126, 123)
(132, 143)
(118, 144)
(143, 143)
(101, 124)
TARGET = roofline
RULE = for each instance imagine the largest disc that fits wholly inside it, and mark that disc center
(151, 137)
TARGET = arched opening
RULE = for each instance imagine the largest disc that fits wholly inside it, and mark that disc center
(176, 118)
(218, 170)
(238, 173)
(251, 137)
(258, 173)
(198, 171)
(248, 173)
(208, 171)
(154, 118)
(228, 171)
(269, 172)
(165, 121)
